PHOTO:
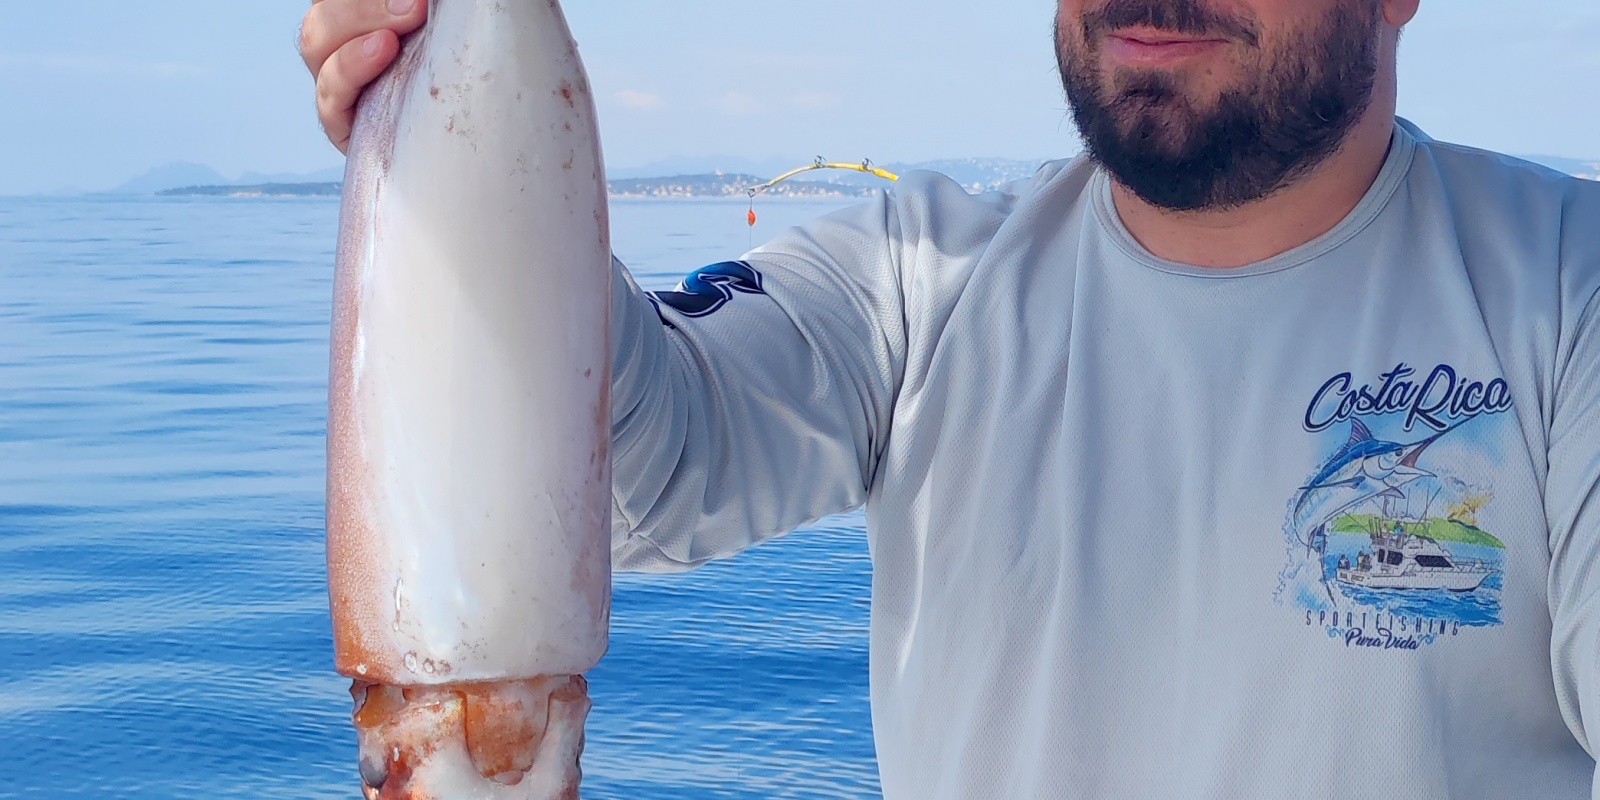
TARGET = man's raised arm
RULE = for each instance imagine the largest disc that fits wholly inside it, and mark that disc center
(758, 396)
(1572, 486)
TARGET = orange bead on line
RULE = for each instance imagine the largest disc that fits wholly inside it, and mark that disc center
(752, 218)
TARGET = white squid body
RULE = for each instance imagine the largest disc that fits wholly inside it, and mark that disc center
(468, 466)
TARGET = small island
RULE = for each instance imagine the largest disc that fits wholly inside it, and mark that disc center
(258, 190)
(1435, 528)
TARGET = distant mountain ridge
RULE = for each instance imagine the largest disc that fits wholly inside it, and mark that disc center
(731, 185)
(684, 177)
(184, 174)
(974, 173)
(326, 189)
(964, 170)
(1571, 166)
(677, 186)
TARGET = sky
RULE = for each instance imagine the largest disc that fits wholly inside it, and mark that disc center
(94, 92)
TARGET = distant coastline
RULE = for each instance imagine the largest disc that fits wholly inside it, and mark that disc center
(695, 180)
(259, 190)
(679, 186)
(731, 185)
(690, 178)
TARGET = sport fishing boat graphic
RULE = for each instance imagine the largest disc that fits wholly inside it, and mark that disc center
(1369, 470)
(1403, 560)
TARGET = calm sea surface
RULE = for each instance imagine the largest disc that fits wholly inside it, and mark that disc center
(164, 629)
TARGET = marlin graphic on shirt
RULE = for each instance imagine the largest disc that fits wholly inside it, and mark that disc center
(1365, 468)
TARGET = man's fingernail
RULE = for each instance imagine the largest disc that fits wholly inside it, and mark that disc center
(373, 44)
(398, 7)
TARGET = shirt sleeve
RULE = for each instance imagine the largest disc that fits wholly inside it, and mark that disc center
(1572, 491)
(757, 397)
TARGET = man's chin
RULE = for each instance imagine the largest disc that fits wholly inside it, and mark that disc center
(1165, 134)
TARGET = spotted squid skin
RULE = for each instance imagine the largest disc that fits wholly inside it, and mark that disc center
(502, 741)
(469, 411)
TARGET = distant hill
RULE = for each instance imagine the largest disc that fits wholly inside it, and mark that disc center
(705, 165)
(678, 186)
(985, 173)
(686, 177)
(979, 174)
(181, 175)
(731, 185)
(1571, 166)
(257, 190)
(1441, 530)
(976, 174)
(169, 176)
(328, 175)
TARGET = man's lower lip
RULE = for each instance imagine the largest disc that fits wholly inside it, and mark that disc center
(1134, 51)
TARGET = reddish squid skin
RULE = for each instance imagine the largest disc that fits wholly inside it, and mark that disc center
(506, 730)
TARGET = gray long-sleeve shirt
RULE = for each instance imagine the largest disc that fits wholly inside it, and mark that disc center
(1322, 526)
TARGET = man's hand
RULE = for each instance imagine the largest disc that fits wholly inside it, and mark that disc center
(346, 44)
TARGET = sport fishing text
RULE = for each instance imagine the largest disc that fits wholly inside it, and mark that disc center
(1391, 633)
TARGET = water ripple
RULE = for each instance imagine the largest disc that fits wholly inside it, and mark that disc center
(164, 630)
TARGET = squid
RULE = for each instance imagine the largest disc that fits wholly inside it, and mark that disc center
(469, 486)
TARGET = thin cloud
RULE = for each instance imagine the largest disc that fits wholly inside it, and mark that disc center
(816, 101)
(784, 62)
(101, 66)
(640, 101)
(736, 104)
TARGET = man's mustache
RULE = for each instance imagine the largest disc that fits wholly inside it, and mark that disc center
(1188, 17)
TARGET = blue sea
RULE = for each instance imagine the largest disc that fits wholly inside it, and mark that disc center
(164, 629)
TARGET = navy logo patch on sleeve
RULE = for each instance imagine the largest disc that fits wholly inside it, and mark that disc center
(709, 288)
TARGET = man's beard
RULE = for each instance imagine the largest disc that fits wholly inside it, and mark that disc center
(1259, 137)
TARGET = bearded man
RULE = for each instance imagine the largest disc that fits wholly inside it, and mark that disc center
(1115, 427)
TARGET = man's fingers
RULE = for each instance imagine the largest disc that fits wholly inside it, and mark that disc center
(332, 24)
(344, 75)
(346, 44)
